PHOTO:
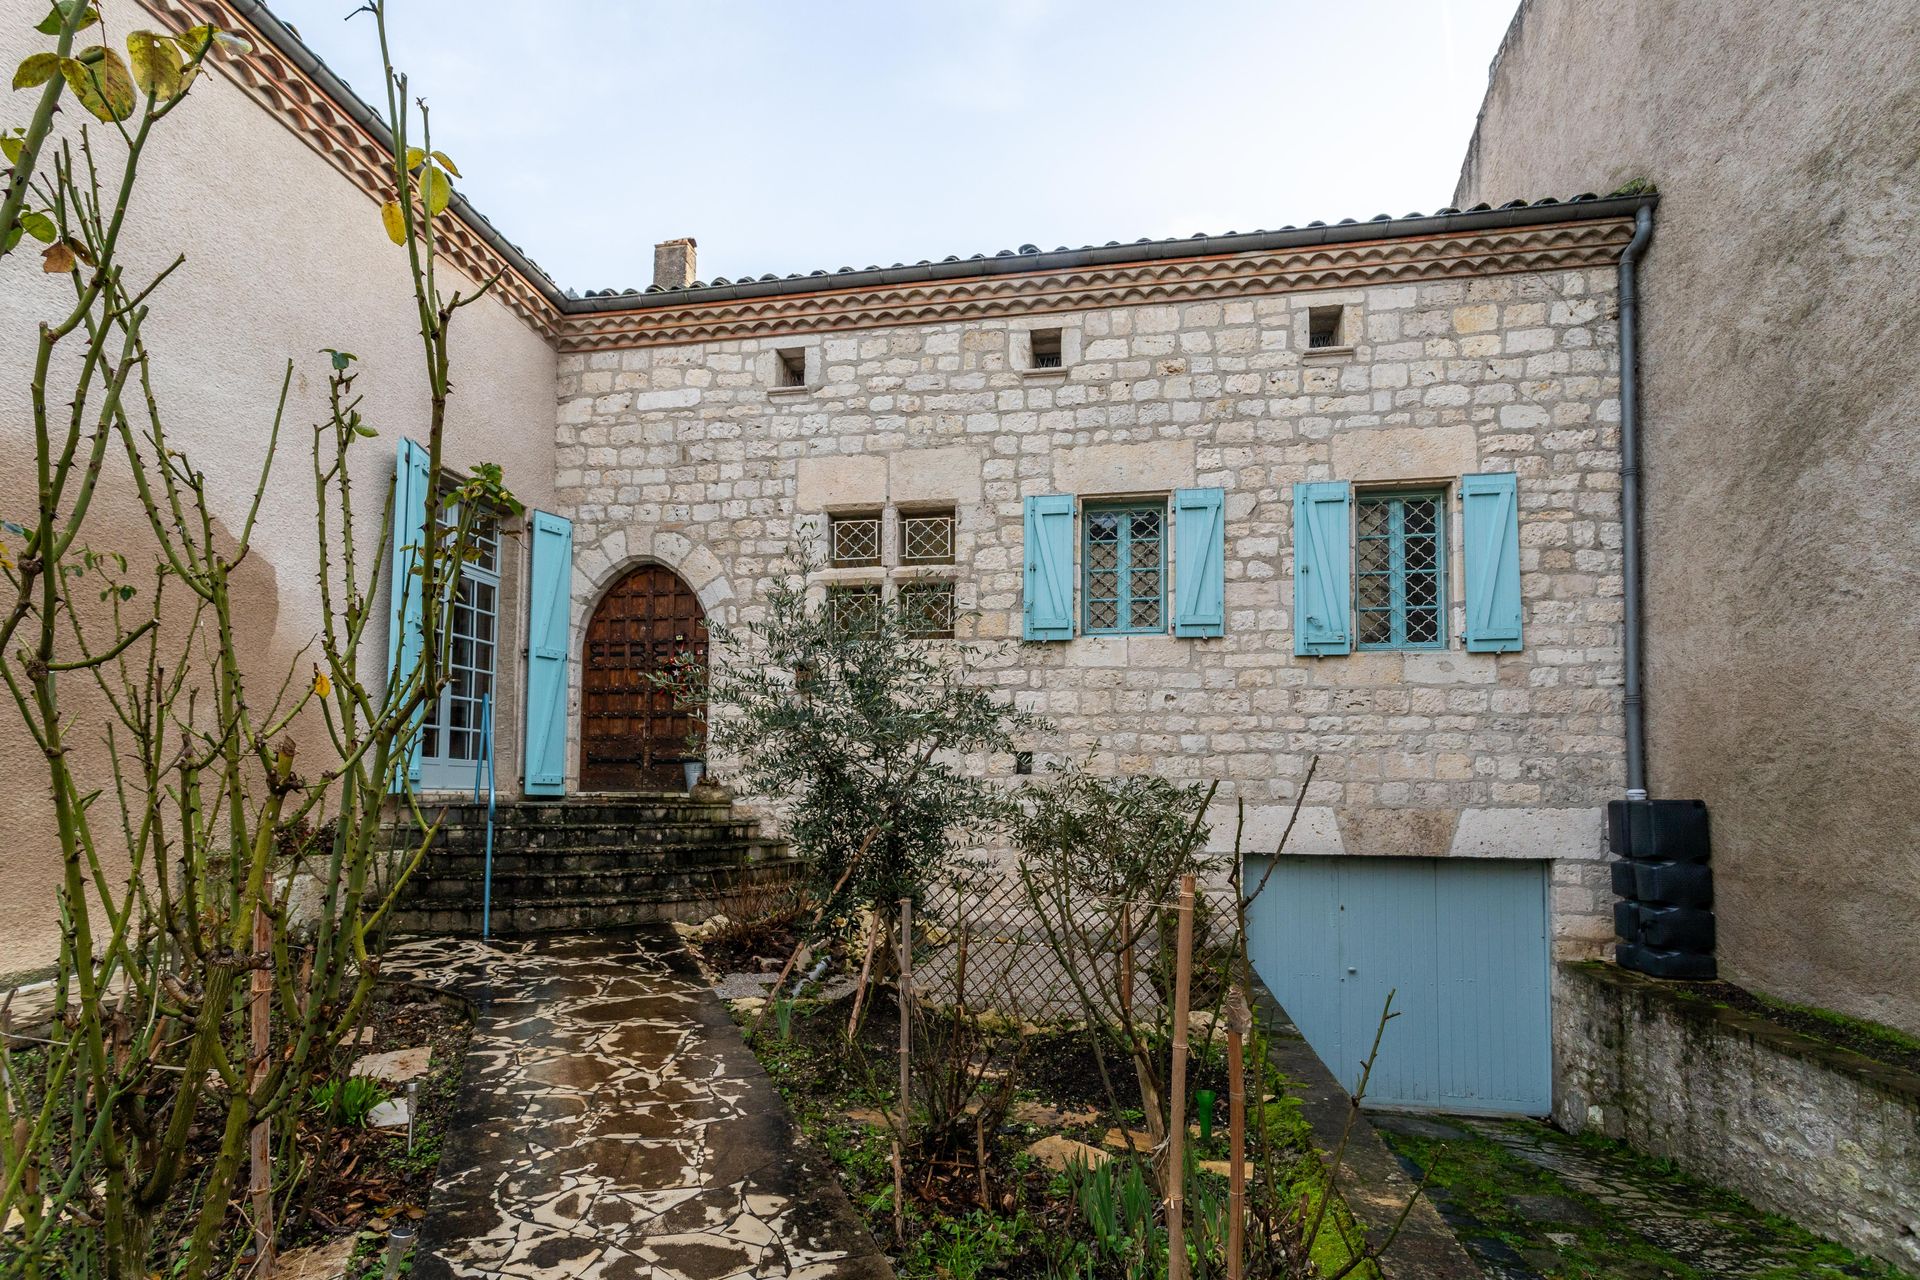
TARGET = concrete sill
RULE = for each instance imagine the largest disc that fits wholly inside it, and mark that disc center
(781, 392)
(1044, 373)
(1327, 353)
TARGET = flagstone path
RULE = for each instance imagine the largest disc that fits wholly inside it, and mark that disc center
(612, 1124)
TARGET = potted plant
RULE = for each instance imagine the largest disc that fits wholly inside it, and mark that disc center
(694, 761)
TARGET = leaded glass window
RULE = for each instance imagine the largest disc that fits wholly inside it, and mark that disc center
(926, 537)
(1123, 569)
(927, 608)
(855, 539)
(1399, 565)
(854, 607)
(452, 739)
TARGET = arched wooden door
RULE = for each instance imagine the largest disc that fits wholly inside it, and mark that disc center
(632, 738)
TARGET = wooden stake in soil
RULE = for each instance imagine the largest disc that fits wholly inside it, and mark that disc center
(866, 969)
(1177, 1104)
(259, 1025)
(1239, 1022)
(906, 1052)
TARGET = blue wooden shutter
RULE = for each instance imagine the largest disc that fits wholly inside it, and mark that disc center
(411, 485)
(549, 601)
(1199, 562)
(1049, 578)
(1490, 534)
(1322, 578)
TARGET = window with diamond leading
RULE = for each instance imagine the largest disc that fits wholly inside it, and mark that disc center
(926, 537)
(1123, 569)
(928, 609)
(1399, 570)
(854, 608)
(854, 539)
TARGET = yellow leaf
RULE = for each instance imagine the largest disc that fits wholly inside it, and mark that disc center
(436, 190)
(99, 78)
(36, 70)
(414, 156)
(156, 64)
(446, 164)
(395, 221)
(322, 687)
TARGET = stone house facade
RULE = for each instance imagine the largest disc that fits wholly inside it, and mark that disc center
(685, 449)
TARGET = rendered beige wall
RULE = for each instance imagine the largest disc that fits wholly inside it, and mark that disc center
(283, 257)
(1783, 491)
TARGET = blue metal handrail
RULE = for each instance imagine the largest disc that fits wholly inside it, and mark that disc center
(486, 874)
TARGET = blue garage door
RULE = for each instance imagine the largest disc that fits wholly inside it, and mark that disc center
(1463, 942)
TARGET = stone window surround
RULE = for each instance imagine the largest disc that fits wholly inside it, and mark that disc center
(1020, 348)
(1352, 323)
(769, 367)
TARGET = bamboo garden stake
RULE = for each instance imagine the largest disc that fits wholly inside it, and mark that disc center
(1239, 1022)
(1177, 1102)
(906, 1049)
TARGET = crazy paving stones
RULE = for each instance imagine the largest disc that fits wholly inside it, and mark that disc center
(613, 1124)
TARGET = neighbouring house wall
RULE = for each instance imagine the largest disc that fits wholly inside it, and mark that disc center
(284, 256)
(1783, 486)
(684, 455)
(1820, 1134)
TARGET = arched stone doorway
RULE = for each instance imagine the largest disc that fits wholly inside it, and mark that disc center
(632, 737)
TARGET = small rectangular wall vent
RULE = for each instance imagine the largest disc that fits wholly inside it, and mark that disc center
(1045, 348)
(1323, 327)
(791, 367)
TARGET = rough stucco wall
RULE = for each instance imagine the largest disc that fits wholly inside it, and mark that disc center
(692, 457)
(1783, 489)
(283, 257)
(1823, 1136)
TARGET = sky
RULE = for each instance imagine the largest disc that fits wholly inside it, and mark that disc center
(790, 135)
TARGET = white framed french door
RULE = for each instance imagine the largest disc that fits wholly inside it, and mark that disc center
(453, 741)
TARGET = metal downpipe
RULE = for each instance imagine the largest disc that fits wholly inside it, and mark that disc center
(1630, 500)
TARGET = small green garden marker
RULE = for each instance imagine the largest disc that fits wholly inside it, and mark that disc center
(1204, 1100)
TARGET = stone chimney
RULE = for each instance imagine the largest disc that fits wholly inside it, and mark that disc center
(673, 263)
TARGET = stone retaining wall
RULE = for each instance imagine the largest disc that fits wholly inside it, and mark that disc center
(1822, 1135)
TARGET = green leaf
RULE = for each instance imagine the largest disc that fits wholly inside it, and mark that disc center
(13, 149)
(436, 190)
(39, 226)
(364, 431)
(395, 220)
(156, 64)
(10, 237)
(101, 81)
(36, 70)
(341, 359)
(448, 165)
(196, 40)
(51, 24)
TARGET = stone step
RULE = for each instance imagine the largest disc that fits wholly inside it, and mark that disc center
(550, 915)
(471, 862)
(535, 813)
(598, 836)
(702, 882)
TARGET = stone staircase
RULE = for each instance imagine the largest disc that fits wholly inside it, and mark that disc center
(588, 862)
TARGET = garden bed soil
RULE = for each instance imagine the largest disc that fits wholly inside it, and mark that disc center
(1027, 1215)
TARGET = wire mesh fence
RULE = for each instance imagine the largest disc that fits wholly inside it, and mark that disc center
(984, 938)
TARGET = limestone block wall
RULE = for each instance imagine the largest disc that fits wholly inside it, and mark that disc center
(694, 456)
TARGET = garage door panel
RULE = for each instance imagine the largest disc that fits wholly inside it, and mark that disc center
(1493, 988)
(1295, 917)
(1388, 942)
(1464, 944)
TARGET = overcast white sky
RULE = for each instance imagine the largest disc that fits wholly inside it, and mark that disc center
(787, 135)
